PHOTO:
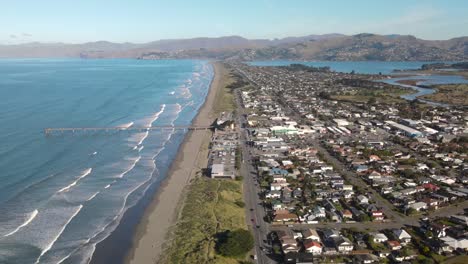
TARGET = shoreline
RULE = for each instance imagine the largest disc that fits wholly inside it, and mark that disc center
(160, 216)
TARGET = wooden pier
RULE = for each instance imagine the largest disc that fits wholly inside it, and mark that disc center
(60, 130)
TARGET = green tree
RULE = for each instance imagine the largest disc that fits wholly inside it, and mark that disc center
(364, 218)
(235, 243)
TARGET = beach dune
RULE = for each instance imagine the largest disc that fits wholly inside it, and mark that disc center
(162, 213)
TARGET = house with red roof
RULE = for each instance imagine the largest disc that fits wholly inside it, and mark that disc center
(313, 247)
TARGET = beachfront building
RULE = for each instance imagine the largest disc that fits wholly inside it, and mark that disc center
(223, 153)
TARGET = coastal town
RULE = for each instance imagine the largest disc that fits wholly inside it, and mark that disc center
(330, 178)
(234, 132)
(348, 181)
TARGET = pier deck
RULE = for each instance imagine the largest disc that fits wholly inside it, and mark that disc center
(49, 131)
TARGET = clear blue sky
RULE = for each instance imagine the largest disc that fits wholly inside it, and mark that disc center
(147, 20)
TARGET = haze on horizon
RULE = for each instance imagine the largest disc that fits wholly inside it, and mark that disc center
(143, 21)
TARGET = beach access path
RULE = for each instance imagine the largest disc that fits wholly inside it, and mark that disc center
(192, 157)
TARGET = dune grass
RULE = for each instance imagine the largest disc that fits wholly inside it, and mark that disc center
(210, 208)
(224, 101)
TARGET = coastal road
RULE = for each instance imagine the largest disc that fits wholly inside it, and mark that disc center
(255, 211)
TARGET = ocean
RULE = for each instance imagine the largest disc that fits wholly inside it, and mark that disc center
(62, 194)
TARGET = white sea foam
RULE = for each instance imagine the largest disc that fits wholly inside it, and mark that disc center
(118, 216)
(141, 148)
(30, 218)
(185, 92)
(131, 167)
(143, 138)
(49, 246)
(106, 229)
(156, 115)
(150, 123)
(85, 173)
(92, 196)
(94, 153)
(125, 126)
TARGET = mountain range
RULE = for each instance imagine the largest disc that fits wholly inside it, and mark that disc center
(312, 47)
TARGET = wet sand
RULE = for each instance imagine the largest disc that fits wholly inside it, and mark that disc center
(152, 232)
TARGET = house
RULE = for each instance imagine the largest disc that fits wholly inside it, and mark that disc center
(460, 243)
(379, 237)
(278, 171)
(418, 206)
(402, 236)
(273, 194)
(319, 212)
(334, 216)
(311, 234)
(374, 175)
(366, 258)
(439, 230)
(289, 244)
(394, 245)
(285, 217)
(279, 178)
(313, 247)
(297, 235)
(330, 234)
(343, 245)
(277, 205)
(361, 199)
(377, 215)
(347, 214)
(373, 158)
(460, 219)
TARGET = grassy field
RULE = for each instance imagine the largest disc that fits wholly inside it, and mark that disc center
(457, 260)
(211, 207)
(363, 95)
(455, 94)
(224, 101)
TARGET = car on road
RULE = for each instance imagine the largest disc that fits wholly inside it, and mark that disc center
(251, 209)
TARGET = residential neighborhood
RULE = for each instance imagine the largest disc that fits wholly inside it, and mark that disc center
(340, 181)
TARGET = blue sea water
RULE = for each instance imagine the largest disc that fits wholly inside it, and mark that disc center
(62, 194)
(364, 67)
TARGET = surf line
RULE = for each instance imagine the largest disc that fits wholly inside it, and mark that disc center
(31, 217)
(49, 246)
(66, 188)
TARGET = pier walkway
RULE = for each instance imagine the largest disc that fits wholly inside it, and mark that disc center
(60, 130)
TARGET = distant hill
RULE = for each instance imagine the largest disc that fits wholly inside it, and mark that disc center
(366, 47)
(312, 47)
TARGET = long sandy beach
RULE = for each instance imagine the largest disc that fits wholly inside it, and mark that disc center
(162, 213)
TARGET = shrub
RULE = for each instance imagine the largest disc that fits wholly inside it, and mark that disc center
(241, 204)
(235, 243)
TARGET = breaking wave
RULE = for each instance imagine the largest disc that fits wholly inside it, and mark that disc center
(31, 217)
(85, 173)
